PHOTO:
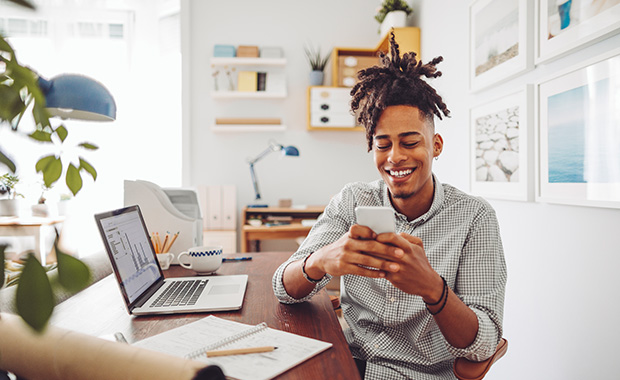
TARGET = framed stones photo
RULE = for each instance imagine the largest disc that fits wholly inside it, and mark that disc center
(567, 25)
(501, 34)
(579, 134)
(502, 164)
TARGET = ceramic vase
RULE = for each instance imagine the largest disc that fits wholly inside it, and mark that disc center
(316, 78)
(394, 19)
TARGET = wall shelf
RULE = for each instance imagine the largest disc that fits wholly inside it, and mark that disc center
(248, 128)
(219, 61)
(248, 95)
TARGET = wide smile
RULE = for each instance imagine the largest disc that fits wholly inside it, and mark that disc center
(399, 174)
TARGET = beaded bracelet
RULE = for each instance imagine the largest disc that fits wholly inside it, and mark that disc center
(303, 270)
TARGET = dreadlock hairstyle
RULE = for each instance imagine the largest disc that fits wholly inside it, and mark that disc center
(396, 81)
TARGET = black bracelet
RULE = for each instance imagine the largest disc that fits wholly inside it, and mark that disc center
(443, 292)
(445, 299)
(303, 270)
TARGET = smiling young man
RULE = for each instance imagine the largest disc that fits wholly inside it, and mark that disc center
(416, 299)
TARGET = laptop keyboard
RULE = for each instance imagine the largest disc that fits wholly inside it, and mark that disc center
(181, 293)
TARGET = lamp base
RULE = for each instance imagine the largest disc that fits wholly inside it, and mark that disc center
(257, 206)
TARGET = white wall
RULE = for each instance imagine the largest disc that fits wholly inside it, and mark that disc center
(561, 314)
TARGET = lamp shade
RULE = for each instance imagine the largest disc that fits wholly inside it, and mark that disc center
(71, 96)
(290, 151)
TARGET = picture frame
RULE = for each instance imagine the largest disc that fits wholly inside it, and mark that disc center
(565, 26)
(501, 33)
(578, 134)
(501, 141)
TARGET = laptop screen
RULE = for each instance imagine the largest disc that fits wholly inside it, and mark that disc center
(130, 250)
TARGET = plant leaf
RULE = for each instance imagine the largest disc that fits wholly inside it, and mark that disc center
(73, 274)
(51, 171)
(34, 298)
(41, 136)
(88, 167)
(74, 179)
(89, 146)
(62, 132)
(4, 159)
(12, 104)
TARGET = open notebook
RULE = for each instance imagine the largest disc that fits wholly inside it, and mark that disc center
(212, 333)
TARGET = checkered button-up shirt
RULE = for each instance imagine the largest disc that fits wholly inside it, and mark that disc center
(392, 330)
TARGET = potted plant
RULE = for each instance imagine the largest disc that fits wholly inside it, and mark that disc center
(10, 206)
(317, 63)
(392, 14)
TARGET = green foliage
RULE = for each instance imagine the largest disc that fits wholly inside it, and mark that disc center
(392, 5)
(317, 62)
(34, 297)
(19, 93)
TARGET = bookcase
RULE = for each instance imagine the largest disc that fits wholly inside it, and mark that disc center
(239, 78)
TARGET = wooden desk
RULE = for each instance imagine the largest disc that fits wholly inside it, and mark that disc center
(292, 230)
(30, 226)
(99, 310)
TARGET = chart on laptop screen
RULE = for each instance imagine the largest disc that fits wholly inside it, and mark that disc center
(129, 243)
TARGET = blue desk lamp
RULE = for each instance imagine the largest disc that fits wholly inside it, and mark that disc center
(273, 147)
(71, 96)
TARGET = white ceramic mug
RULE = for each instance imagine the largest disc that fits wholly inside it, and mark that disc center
(204, 260)
(164, 260)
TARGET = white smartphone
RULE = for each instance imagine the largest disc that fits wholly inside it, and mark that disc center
(379, 219)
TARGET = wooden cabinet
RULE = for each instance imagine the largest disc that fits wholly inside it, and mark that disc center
(226, 74)
(267, 223)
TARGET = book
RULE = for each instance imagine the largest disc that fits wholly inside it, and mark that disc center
(194, 339)
(261, 81)
(247, 81)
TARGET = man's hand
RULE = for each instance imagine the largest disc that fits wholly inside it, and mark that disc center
(357, 252)
(414, 274)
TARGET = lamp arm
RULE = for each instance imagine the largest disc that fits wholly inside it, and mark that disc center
(254, 180)
(271, 148)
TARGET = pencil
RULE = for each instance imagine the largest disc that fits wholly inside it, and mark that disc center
(174, 237)
(164, 250)
(240, 351)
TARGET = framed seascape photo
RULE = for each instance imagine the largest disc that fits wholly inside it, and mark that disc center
(565, 25)
(499, 40)
(579, 134)
(501, 140)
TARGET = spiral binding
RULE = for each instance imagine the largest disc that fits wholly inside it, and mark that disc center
(228, 340)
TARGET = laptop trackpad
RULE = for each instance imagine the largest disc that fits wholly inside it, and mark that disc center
(224, 289)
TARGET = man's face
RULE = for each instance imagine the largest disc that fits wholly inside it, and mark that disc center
(404, 145)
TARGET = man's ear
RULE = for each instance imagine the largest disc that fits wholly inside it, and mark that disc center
(437, 145)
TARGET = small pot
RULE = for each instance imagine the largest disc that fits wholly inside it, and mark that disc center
(316, 78)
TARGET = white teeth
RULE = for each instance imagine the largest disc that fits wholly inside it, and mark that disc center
(400, 173)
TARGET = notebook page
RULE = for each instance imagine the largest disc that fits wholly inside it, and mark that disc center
(292, 349)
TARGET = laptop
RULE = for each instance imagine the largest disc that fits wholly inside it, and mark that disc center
(141, 280)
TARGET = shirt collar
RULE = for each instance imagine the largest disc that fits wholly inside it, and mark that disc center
(438, 199)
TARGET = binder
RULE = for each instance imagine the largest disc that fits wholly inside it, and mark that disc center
(214, 207)
(229, 207)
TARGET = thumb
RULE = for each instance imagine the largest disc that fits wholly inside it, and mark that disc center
(412, 239)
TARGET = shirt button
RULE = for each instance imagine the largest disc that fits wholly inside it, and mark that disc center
(392, 299)
(377, 346)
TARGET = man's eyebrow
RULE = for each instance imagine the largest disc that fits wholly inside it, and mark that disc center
(404, 134)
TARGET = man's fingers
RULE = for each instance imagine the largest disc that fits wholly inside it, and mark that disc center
(361, 232)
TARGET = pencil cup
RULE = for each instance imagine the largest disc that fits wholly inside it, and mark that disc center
(164, 260)
(203, 260)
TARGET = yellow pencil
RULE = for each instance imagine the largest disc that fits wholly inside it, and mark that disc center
(164, 247)
(174, 237)
(240, 351)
